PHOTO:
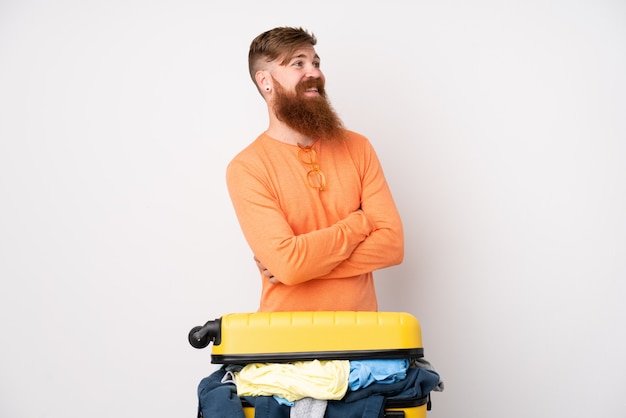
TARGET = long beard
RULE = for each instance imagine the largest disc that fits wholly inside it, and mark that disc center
(310, 116)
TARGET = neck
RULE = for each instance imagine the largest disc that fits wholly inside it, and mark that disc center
(281, 132)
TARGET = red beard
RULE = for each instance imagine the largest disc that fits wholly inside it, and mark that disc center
(313, 117)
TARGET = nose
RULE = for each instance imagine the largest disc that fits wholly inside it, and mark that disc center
(314, 72)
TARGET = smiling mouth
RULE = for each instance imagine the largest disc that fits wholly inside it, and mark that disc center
(311, 88)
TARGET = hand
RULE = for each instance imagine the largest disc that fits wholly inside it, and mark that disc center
(265, 272)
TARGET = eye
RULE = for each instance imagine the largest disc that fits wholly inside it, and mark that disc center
(316, 64)
(297, 64)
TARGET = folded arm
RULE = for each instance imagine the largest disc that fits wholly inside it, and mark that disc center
(384, 247)
(291, 258)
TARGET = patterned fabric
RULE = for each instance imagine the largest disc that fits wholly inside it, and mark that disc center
(308, 408)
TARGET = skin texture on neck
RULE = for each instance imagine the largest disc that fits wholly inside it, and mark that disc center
(281, 132)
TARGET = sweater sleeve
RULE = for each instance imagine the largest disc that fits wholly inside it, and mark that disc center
(291, 258)
(384, 247)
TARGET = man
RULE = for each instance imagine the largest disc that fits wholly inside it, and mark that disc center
(310, 195)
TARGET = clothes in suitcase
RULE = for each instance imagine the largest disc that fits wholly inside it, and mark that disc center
(288, 337)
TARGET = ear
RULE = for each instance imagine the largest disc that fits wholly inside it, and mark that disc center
(263, 80)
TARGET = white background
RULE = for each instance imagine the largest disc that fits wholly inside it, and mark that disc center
(501, 127)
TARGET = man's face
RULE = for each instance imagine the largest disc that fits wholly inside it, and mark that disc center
(299, 99)
(303, 65)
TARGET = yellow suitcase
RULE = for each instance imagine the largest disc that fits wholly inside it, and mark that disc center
(274, 337)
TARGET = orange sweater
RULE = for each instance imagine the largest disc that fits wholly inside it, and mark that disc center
(321, 245)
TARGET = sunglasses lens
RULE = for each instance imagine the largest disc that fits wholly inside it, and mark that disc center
(315, 177)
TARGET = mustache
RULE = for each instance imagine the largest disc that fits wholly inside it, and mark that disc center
(317, 83)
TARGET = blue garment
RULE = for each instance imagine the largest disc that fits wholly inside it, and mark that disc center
(220, 400)
(267, 407)
(370, 402)
(418, 384)
(365, 372)
(217, 399)
(369, 407)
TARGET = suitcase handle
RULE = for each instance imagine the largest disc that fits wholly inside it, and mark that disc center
(202, 336)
